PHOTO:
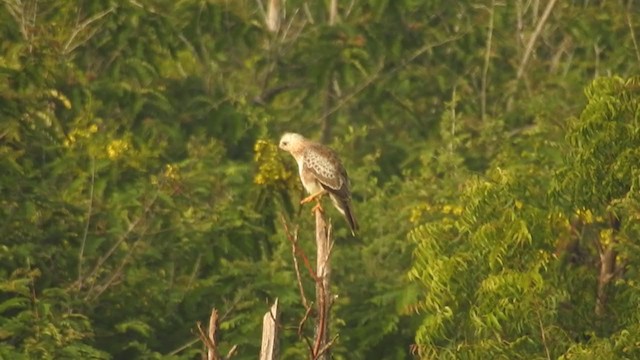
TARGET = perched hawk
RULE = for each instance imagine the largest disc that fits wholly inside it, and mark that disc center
(321, 172)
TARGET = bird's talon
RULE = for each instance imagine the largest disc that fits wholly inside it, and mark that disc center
(312, 197)
(317, 207)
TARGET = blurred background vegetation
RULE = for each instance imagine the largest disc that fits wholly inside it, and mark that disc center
(493, 148)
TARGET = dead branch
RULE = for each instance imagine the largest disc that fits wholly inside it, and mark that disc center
(269, 348)
(209, 339)
(321, 349)
(272, 18)
(333, 12)
(304, 320)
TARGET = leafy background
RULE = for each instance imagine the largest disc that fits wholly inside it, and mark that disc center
(493, 147)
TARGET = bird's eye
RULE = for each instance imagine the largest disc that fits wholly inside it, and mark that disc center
(285, 143)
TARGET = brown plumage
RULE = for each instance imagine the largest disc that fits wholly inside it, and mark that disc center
(321, 171)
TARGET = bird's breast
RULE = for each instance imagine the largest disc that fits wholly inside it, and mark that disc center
(309, 181)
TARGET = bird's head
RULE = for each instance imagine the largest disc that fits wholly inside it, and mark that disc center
(291, 142)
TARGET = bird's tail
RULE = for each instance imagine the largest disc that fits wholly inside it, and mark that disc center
(346, 209)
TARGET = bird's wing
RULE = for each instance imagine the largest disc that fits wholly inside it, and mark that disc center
(325, 165)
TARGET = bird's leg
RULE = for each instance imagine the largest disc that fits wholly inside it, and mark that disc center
(311, 197)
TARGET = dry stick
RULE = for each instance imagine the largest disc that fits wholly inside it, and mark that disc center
(212, 353)
(86, 226)
(269, 348)
(220, 318)
(232, 352)
(333, 12)
(533, 38)
(209, 339)
(272, 18)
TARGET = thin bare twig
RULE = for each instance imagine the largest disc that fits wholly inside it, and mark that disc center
(485, 68)
(544, 338)
(534, 38)
(454, 100)
(232, 352)
(261, 9)
(293, 238)
(304, 320)
(121, 239)
(378, 74)
(327, 346)
(285, 33)
(116, 273)
(307, 12)
(633, 36)
(82, 26)
(307, 264)
(34, 299)
(349, 8)
(86, 226)
(185, 346)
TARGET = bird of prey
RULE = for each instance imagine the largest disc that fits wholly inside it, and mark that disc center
(321, 173)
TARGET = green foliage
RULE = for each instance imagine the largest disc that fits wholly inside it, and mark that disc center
(141, 184)
(494, 272)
